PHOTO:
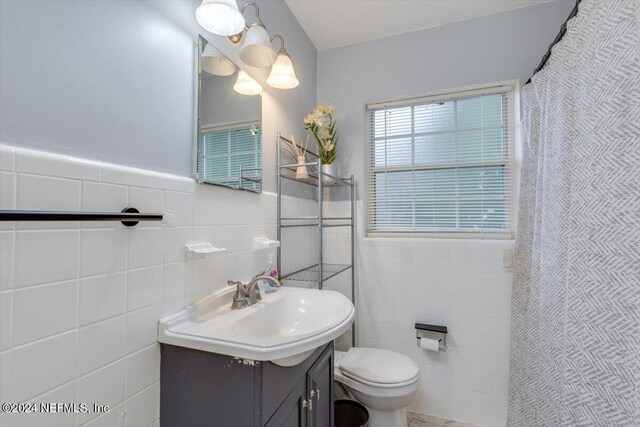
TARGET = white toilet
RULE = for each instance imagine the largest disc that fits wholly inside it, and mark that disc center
(382, 380)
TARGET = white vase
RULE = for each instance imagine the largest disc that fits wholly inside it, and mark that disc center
(301, 171)
(331, 169)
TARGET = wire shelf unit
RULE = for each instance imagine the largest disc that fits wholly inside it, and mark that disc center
(289, 172)
(321, 271)
(311, 274)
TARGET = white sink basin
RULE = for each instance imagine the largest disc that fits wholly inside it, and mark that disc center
(284, 328)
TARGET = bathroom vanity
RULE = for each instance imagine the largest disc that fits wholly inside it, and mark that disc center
(201, 389)
(269, 364)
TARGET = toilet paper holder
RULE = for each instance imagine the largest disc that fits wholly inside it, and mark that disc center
(432, 331)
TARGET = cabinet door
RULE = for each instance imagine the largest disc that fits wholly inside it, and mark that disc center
(292, 412)
(320, 390)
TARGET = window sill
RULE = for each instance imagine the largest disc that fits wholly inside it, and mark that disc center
(480, 237)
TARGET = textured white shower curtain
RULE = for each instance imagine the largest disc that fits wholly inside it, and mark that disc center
(575, 352)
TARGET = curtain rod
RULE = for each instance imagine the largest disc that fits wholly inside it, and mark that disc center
(563, 30)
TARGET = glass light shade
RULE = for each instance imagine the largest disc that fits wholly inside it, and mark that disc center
(282, 75)
(214, 62)
(256, 49)
(245, 85)
(220, 17)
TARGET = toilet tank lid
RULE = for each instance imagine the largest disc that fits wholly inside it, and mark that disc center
(374, 365)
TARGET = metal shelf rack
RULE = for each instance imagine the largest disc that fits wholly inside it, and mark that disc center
(311, 273)
(319, 272)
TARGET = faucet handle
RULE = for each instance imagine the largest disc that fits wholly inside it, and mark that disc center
(240, 297)
(240, 288)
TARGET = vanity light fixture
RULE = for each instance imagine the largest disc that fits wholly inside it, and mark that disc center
(245, 85)
(256, 49)
(214, 62)
(220, 17)
(223, 17)
(282, 75)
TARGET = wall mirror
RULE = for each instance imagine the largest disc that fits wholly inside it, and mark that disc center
(229, 133)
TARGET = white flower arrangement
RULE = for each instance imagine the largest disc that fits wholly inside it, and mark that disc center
(323, 127)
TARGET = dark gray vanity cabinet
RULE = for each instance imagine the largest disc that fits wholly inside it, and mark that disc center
(201, 389)
(319, 382)
(293, 411)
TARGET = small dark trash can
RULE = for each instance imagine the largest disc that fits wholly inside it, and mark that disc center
(350, 413)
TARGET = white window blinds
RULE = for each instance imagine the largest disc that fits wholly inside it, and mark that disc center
(223, 152)
(442, 164)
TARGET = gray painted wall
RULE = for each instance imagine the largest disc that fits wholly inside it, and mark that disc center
(114, 80)
(495, 48)
(220, 104)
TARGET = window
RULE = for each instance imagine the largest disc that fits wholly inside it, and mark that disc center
(224, 151)
(442, 164)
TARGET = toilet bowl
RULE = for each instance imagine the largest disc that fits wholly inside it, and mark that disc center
(384, 381)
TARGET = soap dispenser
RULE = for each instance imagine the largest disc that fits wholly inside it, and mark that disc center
(270, 270)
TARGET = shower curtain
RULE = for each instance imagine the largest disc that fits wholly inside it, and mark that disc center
(575, 339)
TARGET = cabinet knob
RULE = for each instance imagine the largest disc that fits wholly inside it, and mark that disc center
(316, 394)
(307, 404)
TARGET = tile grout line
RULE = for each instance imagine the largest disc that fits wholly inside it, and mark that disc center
(77, 331)
(126, 322)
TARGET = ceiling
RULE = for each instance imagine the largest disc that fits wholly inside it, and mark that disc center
(335, 23)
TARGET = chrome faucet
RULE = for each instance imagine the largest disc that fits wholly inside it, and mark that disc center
(249, 294)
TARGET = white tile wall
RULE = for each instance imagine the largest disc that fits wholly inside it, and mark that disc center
(101, 343)
(80, 302)
(45, 256)
(47, 193)
(65, 393)
(41, 366)
(102, 297)
(104, 385)
(42, 311)
(458, 283)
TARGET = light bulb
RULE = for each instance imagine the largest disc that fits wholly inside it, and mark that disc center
(220, 17)
(256, 49)
(245, 85)
(214, 62)
(282, 75)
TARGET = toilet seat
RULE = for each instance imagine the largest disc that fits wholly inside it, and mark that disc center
(378, 368)
(372, 384)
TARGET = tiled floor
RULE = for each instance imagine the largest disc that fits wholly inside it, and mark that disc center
(415, 419)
